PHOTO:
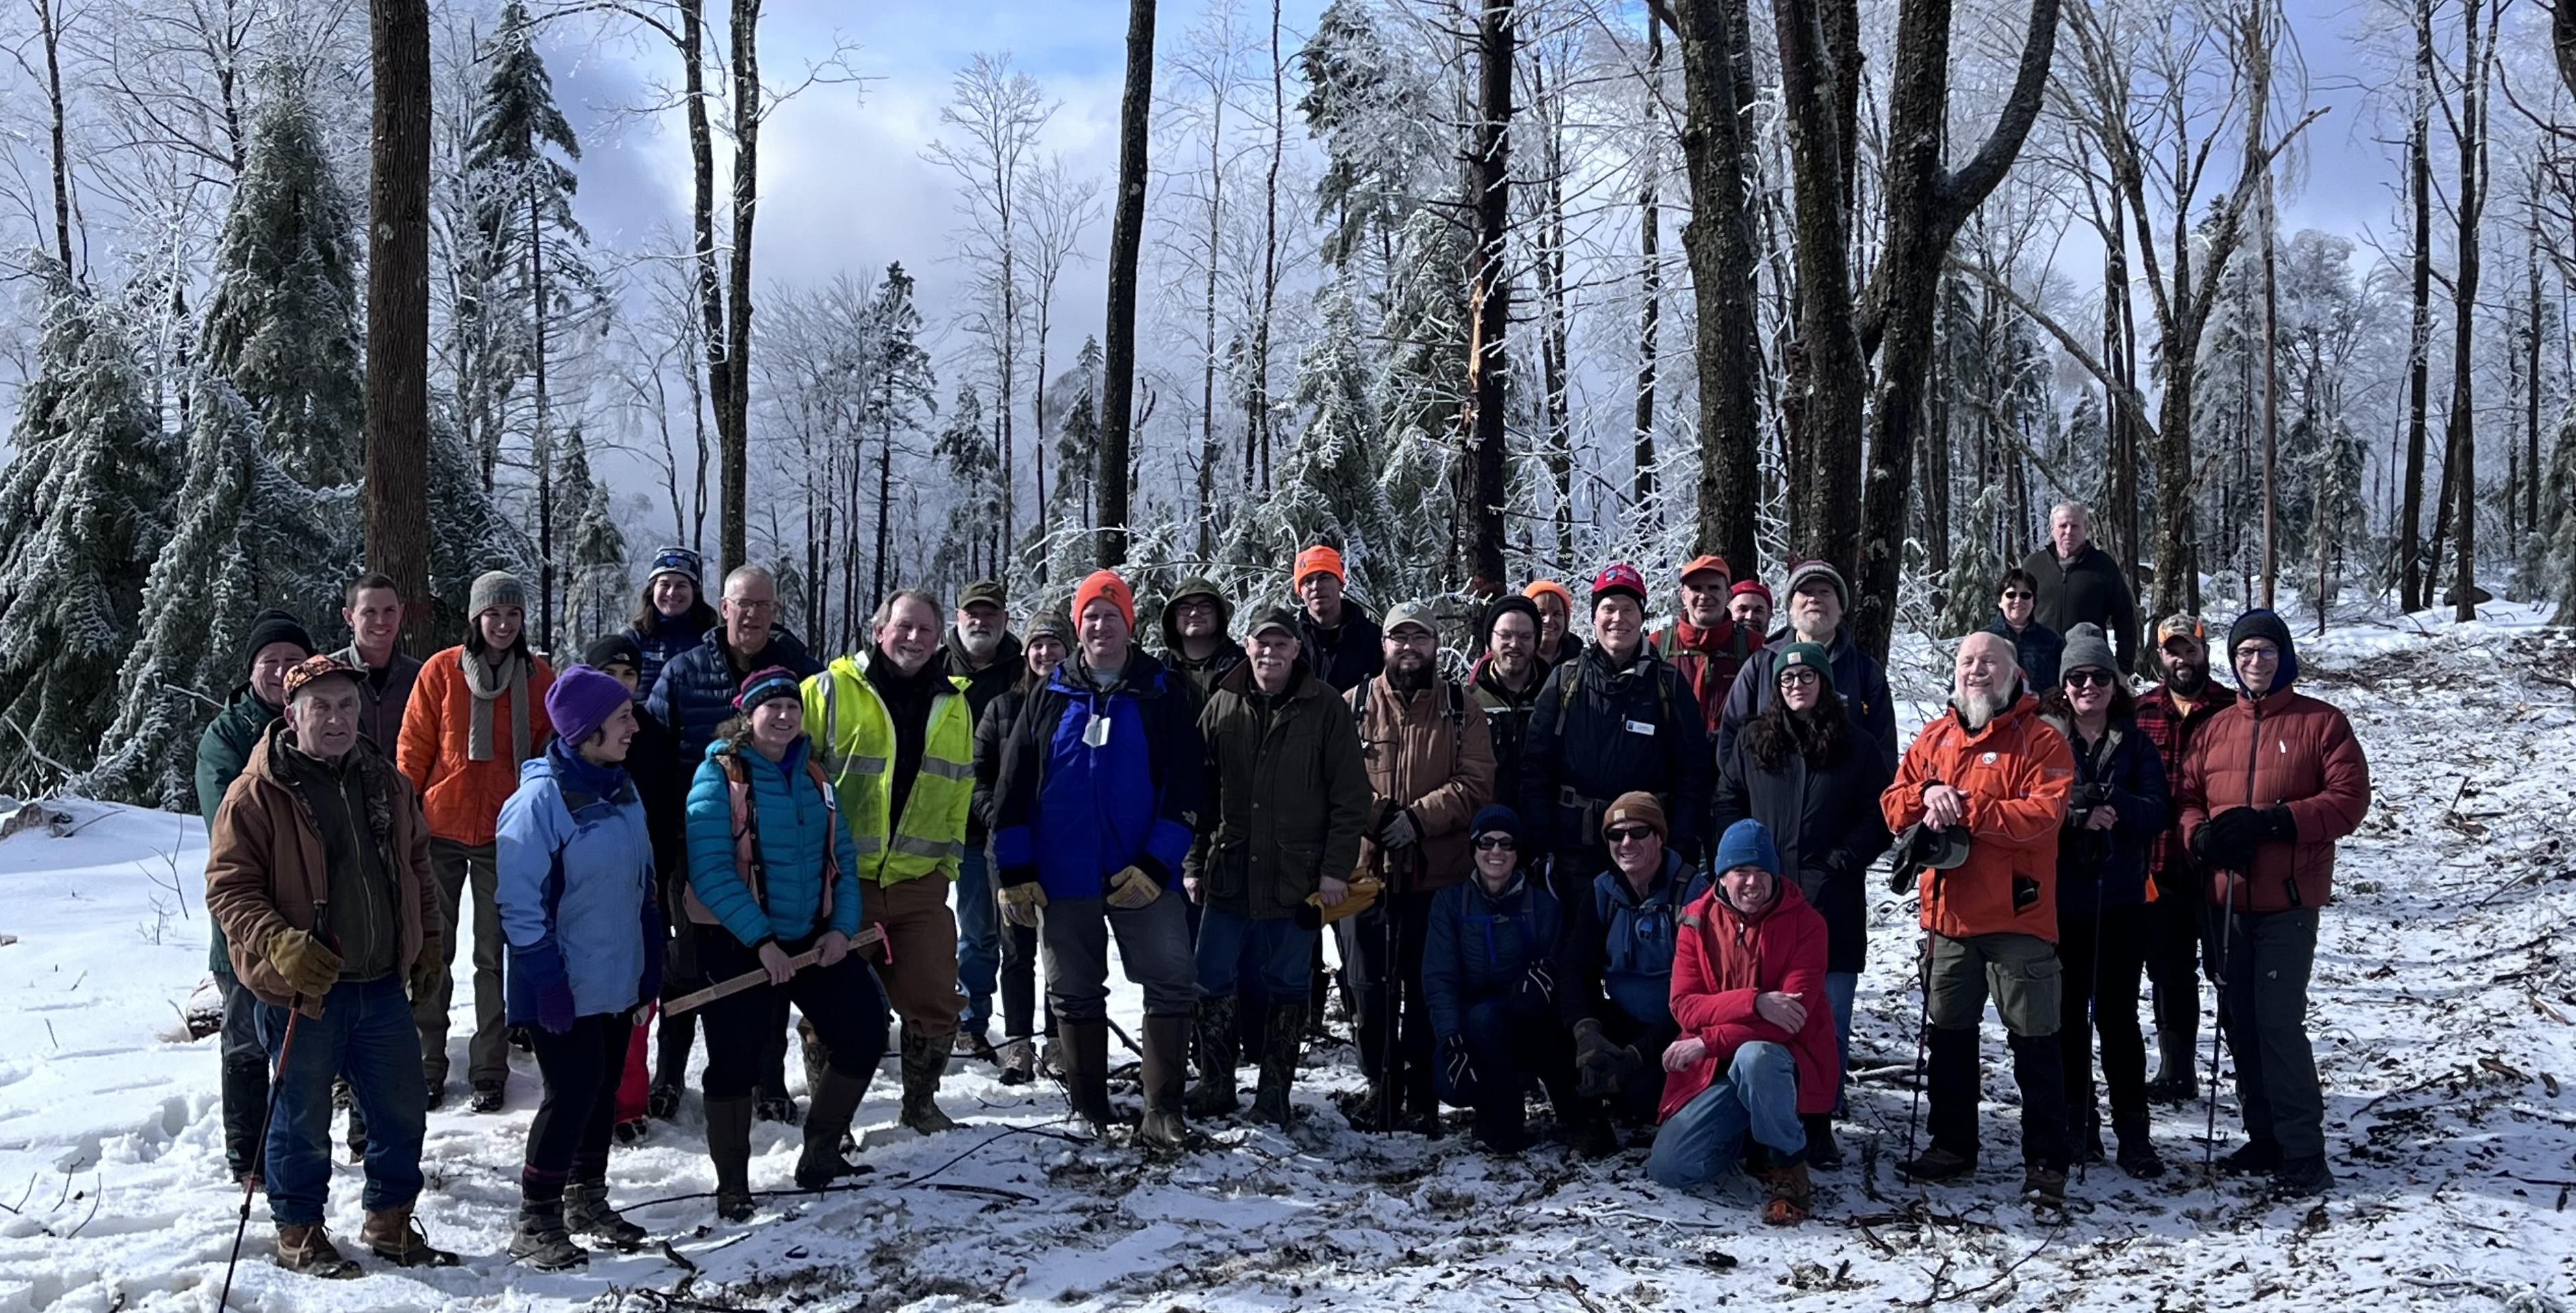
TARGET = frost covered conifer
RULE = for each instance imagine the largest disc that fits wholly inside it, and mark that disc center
(1968, 590)
(80, 518)
(282, 322)
(594, 553)
(244, 536)
(468, 532)
(1327, 486)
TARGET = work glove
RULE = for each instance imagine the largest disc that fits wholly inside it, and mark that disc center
(1362, 894)
(1132, 888)
(1454, 1061)
(2227, 840)
(1399, 829)
(427, 969)
(1020, 903)
(310, 968)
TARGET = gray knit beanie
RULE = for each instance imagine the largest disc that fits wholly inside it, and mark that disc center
(2086, 645)
(494, 588)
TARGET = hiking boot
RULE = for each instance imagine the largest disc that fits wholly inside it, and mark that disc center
(1167, 1044)
(487, 1096)
(972, 1042)
(1279, 1043)
(1215, 1094)
(925, 1060)
(2173, 1086)
(2138, 1155)
(2042, 1183)
(2253, 1158)
(1792, 1196)
(437, 1091)
(1019, 1061)
(2301, 1178)
(662, 1102)
(775, 1106)
(835, 1103)
(1368, 1112)
(305, 1250)
(1823, 1154)
(392, 1235)
(541, 1242)
(1935, 1165)
(586, 1214)
(729, 1148)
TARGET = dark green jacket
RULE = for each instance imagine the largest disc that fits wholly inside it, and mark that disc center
(1287, 795)
(222, 751)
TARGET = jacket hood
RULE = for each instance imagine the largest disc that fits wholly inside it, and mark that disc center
(1198, 586)
(561, 764)
(2260, 623)
(1143, 674)
(263, 759)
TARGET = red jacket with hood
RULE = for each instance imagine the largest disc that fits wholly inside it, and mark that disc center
(2015, 774)
(1723, 960)
(2282, 749)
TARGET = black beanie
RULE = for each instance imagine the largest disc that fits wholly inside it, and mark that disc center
(618, 649)
(1496, 611)
(273, 626)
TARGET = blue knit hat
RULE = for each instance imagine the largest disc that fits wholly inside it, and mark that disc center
(1747, 843)
(1496, 816)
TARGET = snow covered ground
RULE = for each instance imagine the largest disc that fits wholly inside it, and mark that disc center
(2443, 999)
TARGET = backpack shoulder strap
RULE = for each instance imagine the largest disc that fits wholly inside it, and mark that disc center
(749, 861)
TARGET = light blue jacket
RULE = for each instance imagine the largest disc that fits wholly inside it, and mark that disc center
(799, 825)
(575, 869)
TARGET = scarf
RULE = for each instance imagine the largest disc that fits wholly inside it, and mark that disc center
(510, 678)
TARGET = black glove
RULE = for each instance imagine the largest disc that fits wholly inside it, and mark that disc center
(2227, 840)
(2279, 824)
(1398, 829)
(1454, 1061)
(1542, 979)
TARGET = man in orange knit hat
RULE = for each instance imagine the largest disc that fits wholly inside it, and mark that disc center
(1341, 639)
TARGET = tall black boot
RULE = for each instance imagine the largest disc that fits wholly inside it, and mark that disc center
(1082, 1048)
(729, 1147)
(1167, 1040)
(1280, 1039)
(1952, 1089)
(2042, 1078)
(1215, 1094)
(827, 1120)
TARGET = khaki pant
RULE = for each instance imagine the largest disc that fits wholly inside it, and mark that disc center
(921, 936)
(2020, 970)
(461, 866)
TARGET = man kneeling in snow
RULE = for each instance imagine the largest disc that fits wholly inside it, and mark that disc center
(1757, 1046)
(318, 871)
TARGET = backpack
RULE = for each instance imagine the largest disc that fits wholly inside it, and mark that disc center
(1453, 708)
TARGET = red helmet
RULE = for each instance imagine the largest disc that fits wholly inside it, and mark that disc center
(1619, 577)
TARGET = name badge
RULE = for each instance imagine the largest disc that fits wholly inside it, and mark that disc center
(1096, 734)
(1641, 727)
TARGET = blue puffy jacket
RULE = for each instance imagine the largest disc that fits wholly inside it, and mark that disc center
(575, 870)
(671, 637)
(1068, 812)
(1481, 945)
(2108, 868)
(1619, 949)
(799, 826)
(1858, 678)
(694, 695)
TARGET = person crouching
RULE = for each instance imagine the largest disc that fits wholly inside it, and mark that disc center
(575, 864)
(1757, 1050)
(1487, 973)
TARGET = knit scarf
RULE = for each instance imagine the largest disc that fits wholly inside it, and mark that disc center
(487, 683)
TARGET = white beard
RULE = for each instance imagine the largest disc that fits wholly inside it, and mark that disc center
(1976, 709)
(979, 646)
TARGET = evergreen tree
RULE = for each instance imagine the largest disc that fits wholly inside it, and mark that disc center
(591, 556)
(1364, 102)
(245, 536)
(1969, 588)
(1327, 487)
(897, 386)
(468, 531)
(282, 321)
(969, 549)
(2558, 520)
(80, 516)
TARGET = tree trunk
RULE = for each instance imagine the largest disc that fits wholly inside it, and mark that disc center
(2411, 586)
(49, 34)
(544, 444)
(1827, 367)
(1553, 348)
(1259, 416)
(2271, 398)
(1126, 234)
(1718, 241)
(1207, 339)
(1650, 276)
(1489, 296)
(744, 31)
(2531, 381)
(733, 459)
(397, 400)
(2470, 206)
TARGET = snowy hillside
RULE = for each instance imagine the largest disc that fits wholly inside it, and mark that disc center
(2442, 1011)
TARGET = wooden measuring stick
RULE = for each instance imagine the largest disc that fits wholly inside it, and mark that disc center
(867, 938)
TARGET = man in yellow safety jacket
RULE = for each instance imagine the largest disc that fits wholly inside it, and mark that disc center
(897, 741)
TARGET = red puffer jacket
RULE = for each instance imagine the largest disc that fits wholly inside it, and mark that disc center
(2285, 749)
(1722, 961)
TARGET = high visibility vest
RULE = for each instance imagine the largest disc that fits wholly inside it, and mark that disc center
(855, 734)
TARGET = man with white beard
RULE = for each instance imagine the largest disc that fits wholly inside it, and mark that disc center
(980, 650)
(1991, 768)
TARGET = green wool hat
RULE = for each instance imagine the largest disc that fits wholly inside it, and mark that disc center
(1812, 656)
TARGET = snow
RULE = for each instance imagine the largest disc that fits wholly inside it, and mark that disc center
(2441, 1006)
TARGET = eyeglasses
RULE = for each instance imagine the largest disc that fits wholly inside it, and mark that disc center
(2018, 596)
(1628, 834)
(2090, 676)
(1493, 842)
(1798, 676)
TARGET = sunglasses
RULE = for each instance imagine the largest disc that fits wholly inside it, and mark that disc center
(2021, 597)
(1628, 834)
(1494, 842)
(2087, 677)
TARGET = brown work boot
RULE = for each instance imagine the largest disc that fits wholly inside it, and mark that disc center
(392, 1235)
(306, 1250)
(1791, 1195)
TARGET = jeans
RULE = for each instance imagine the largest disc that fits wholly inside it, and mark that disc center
(365, 1033)
(245, 1085)
(747, 1032)
(1840, 988)
(1238, 951)
(1757, 1095)
(569, 1138)
(2261, 961)
(979, 937)
(460, 868)
(1153, 945)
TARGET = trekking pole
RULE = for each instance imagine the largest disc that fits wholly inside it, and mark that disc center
(1922, 1033)
(2093, 1007)
(267, 1118)
(1387, 984)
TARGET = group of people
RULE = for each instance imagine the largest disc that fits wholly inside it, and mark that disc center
(1629, 873)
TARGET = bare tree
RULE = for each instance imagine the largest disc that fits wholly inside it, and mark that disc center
(1126, 237)
(1058, 209)
(397, 402)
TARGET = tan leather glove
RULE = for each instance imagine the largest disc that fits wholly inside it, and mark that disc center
(1363, 893)
(1132, 888)
(1020, 903)
(310, 969)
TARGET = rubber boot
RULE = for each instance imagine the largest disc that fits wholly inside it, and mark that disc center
(1167, 1045)
(586, 1214)
(1280, 1039)
(827, 1120)
(1082, 1049)
(541, 1241)
(925, 1060)
(729, 1148)
(1215, 1095)
(1952, 1086)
